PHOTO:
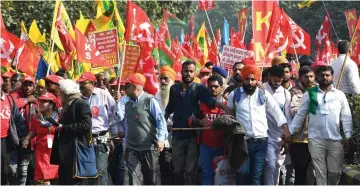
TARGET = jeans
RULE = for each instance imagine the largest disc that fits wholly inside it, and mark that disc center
(102, 156)
(252, 169)
(206, 162)
(185, 156)
(166, 168)
(26, 166)
(117, 165)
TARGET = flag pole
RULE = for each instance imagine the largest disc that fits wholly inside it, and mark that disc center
(217, 47)
(121, 64)
(332, 26)
(346, 56)
(50, 55)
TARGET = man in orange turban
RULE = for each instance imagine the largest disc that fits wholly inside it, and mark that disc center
(168, 71)
(251, 74)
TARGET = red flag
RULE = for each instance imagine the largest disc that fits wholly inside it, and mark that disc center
(358, 24)
(218, 37)
(274, 22)
(327, 51)
(251, 46)
(213, 53)
(323, 32)
(28, 59)
(197, 52)
(86, 52)
(176, 49)
(90, 28)
(352, 23)
(242, 17)
(317, 55)
(2, 24)
(206, 4)
(65, 61)
(9, 44)
(136, 21)
(147, 63)
(300, 38)
(66, 39)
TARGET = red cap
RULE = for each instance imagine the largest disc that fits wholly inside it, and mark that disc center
(53, 79)
(86, 76)
(28, 78)
(248, 61)
(137, 79)
(115, 83)
(205, 70)
(6, 75)
(47, 97)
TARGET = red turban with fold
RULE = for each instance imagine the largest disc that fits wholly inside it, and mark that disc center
(251, 69)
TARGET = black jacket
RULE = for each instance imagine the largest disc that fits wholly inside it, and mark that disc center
(77, 124)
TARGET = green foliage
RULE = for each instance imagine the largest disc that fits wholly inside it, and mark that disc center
(354, 103)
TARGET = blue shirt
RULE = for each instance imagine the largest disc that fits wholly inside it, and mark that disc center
(185, 103)
(155, 111)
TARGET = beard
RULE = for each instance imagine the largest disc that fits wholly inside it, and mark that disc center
(325, 83)
(165, 93)
(186, 81)
(249, 89)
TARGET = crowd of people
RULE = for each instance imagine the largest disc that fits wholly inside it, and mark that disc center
(292, 122)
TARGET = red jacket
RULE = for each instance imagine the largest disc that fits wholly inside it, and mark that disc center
(5, 115)
(211, 138)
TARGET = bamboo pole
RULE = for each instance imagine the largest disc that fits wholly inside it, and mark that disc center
(122, 64)
(212, 32)
(330, 20)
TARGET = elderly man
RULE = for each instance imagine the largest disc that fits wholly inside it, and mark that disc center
(16, 81)
(102, 106)
(250, 104)
(327, 108)
(146, 133)
(167, 77)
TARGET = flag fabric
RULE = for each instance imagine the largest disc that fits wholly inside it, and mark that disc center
(352, 22)
(242, 17)
(104, 15)
(225, 35)
(305, 3)
(327, 52)
(35, 34)
(119, 24)
(42, 69)
(358, 24)
(214, 53)
(65, 60)
(67, 41)
(301, 39)
(172, 19)
(323, 32)
(60, 15)
(27, 57)
(9, 44)
(176, 49)
(201, 39)
(136, 21)
(86, 52)
(206, 4)
(191, 26)
(197, 52)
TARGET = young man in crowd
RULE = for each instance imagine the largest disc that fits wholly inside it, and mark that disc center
(236, 78)
(274, 156)
(209, 65)
(8, 110)
(287, 83)
(211, 141)
(52, 86)
(250, 105)
(327, 108)
(102, 106)
(16, 81)
(6, 86)
(166, 78)
(146, 133)
(27, 103)
(299, 151)
(350, 81)
(40, 88)
(184, 103)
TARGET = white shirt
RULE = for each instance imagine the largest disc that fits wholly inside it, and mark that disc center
(350, 81)
(252, 114)
(283, 98)
(325, 124)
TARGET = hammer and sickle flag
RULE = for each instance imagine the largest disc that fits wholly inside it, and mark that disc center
(9, 44)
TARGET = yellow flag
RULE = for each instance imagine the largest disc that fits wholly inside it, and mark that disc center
(119, 25)
(107, 9)
(65, 18)
(306, 3)
(201, 40)
(81, 15)
(35, 34)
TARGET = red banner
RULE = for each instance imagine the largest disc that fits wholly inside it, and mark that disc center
(206, 4)
(106, 43)
(351, 20)
(242, 17)
(261, 15)
(132, 53)
(301, 40)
